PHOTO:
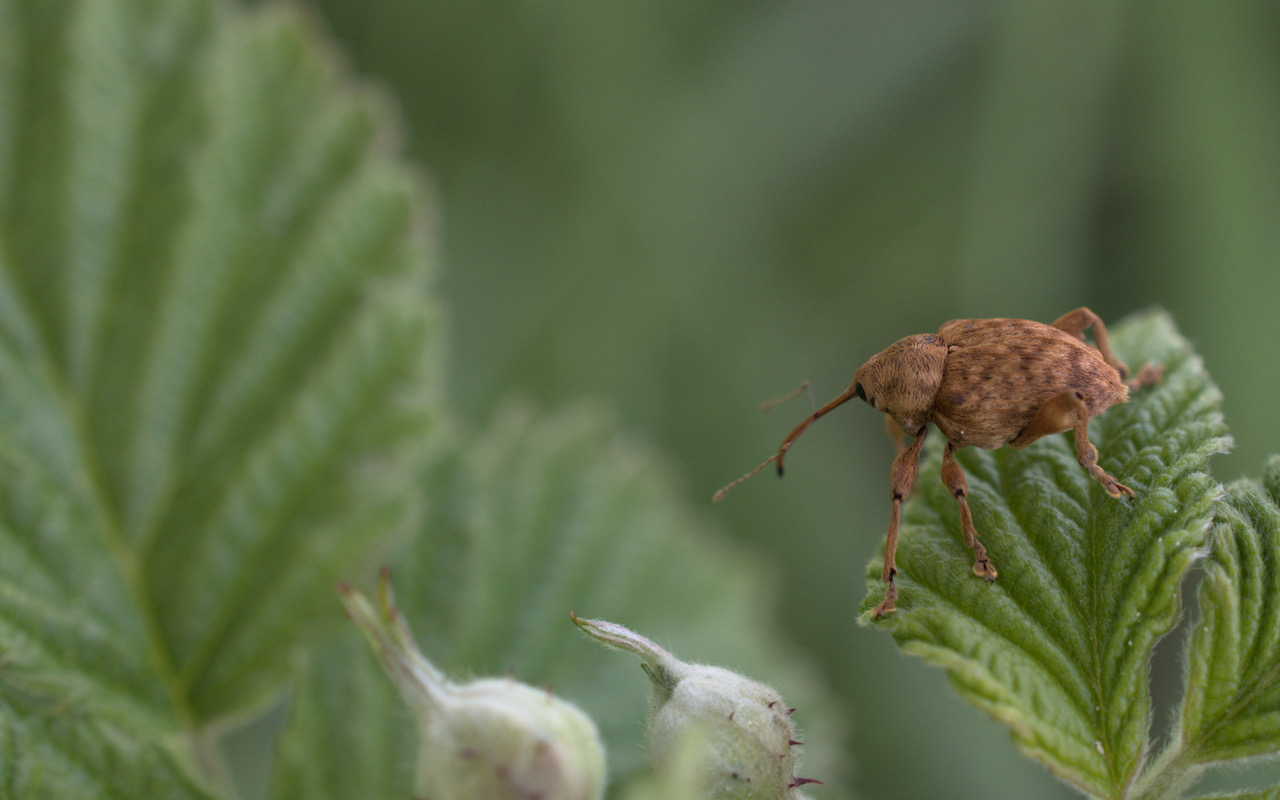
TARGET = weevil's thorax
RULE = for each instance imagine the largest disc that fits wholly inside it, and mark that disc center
(903, 379)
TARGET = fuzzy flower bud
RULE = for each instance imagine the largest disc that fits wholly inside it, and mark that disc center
(490, 739)
(745, 728)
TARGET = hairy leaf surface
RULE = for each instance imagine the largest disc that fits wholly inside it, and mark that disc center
(1232, 704)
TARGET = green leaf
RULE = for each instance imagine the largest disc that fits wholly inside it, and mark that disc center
(1058, 647)
(217, 358)
(349, 733)
(1232, 705)
(532, 520)
(677, 777)
(51, 750)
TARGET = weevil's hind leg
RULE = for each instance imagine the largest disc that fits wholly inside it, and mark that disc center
(953, 478)
(1075, 323)
(902, 476)
(1068, 411)
(1149, 374)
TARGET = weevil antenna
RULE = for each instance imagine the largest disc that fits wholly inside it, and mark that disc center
(848, 395)
(718, 496)
(769, 405)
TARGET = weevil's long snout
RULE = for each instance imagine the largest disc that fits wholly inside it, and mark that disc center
(849, 394)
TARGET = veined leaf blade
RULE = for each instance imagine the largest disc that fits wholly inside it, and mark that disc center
(61, 753)
(1231, 708)
(219, 372)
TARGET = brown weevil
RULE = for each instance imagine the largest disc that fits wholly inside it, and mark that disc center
(985, 383)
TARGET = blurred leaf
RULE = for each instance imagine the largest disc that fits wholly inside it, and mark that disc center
(215, 347)
(1058, 647)
(349, 734)
(677, 778)
(51, 749)
(537, 518)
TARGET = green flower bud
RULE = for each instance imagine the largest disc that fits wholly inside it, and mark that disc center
(490, 739)
(744, 726)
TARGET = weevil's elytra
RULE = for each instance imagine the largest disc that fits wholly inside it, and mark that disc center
(984, 383)
(987, 400)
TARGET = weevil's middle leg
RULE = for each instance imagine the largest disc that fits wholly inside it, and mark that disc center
(901, 477)
(953, 478)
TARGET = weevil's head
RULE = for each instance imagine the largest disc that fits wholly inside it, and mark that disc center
(903, 379)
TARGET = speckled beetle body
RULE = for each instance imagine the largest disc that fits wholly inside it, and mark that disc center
(999, 373)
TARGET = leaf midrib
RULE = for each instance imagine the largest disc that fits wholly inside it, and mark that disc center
(127, 564)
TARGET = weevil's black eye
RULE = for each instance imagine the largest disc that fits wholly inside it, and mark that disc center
(858, 390)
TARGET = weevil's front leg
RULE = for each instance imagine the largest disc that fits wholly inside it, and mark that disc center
(899, 437)
(902, 476)
(1069, 411)
(896, 433)
(953, 478)
(1075, 323)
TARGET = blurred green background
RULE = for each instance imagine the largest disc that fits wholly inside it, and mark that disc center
(688, 207)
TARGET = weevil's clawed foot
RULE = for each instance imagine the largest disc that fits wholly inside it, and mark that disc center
(982, 566)
(1149, 374)
(1112, 486)
(1115, 488)
(890, 602)
(984, 569)
(1121, 491)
